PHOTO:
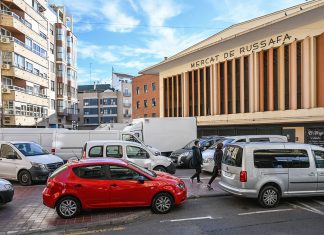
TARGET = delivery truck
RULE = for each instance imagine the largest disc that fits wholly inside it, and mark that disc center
(165, 134)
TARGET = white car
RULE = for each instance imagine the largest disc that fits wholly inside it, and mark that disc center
(208, 154)
(131, 151)
(26, 162)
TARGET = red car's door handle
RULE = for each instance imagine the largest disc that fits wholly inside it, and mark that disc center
(113, 185)
(78, 186)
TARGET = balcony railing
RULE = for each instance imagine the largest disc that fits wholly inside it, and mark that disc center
(28, 47)
(20, 112)
(127, 115)
(127, 105)
(127, 94)
(23, 90)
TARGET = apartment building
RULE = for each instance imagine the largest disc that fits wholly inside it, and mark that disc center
(262, 76)
(36, 45)
(123, 83)
(97, 105)
(145, 98)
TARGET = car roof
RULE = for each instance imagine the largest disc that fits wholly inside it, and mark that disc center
(252, 136)
(104, 142)
(17, 142)
(94, 161)
(267, 144)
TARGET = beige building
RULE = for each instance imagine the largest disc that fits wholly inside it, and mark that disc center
(38, 64)
(98, 104)
(262, 76)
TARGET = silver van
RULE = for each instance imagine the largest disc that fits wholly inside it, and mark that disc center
(269, 171)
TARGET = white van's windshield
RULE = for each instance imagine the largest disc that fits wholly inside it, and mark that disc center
(30, 149)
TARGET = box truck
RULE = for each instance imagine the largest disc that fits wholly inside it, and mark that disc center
(165, 134)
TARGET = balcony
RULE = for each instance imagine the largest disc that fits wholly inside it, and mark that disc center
(12, 44)
(127, 115)
(21, 120)
(127, 105)
(61, 111)
(19, 94)
(12, 20)
(127, 94)
(27, 75)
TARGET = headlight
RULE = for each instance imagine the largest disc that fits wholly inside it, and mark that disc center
(181, 186)
(39, 166)
(185, 154)
(208, 160)
(6, 187)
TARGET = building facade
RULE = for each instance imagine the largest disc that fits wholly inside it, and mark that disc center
(123, 83)
(30, 71)
(97, 105)
(145, 98)
(262, 76)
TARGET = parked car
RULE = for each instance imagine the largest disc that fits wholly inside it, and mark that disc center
(130, 151)
(110, 183)
(269, 171)
(208, 154)
(6, 191)
(183, 157)
(26, 162)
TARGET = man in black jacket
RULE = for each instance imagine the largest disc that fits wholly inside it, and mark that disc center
(218, 155)
(196, 161)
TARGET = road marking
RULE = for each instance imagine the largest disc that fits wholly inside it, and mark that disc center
(267, 211)
(95, 231)
(307, 208)
(188, 219)
(319, 202)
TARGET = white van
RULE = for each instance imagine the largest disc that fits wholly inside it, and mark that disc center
(208, 154)
(130, 151)
(269, 171)
(68, 144)
(26, 162)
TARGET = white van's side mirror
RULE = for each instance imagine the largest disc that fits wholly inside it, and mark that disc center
(156, 154)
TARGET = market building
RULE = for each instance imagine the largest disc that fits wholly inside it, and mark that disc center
(262, 76)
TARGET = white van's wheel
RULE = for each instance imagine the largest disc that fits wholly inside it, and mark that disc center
(24, 178)
(160, 168)
(269, 197)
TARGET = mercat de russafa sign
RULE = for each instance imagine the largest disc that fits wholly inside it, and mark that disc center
(247, 49)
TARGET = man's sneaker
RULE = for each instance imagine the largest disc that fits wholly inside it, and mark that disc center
(199, 182)
(209, 187)
(191, 180)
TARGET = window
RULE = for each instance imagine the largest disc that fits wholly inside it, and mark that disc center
(7, 150)
(137, 90)
(52, 85)
(281, 158)
(319, 158)
(145, 103)
(122, 173)
(90, 111)
(241, 140)
(233, 156)
(259, 140)
(153, 102)
(52, 67)
(28, 43)
(52, 29)
(115, 151)
(128, 137)
(137, 104)
(53, 104)
(91, 120)
(96, 151)
(145, 88)
(96, 172)
(52, 48)
(136, 153)
(153, 86)
(90, 102)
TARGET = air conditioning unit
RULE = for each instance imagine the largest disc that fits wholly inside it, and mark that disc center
(5, 40)
(6, 66)
(5, 90)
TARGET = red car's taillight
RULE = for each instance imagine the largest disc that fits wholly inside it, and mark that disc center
(243, 176)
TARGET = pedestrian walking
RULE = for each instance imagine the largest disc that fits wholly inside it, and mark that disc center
(196, 161)
(218, 155)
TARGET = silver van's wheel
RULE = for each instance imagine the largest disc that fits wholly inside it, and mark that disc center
(162, 203)
(68, 207)
(269, 197)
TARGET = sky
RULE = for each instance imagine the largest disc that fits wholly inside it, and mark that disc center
(131, 35)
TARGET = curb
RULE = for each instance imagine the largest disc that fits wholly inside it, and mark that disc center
(81, 227)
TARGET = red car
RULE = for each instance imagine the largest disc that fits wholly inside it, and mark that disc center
(110, 183)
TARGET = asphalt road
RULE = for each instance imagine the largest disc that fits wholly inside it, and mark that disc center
(228, 215)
